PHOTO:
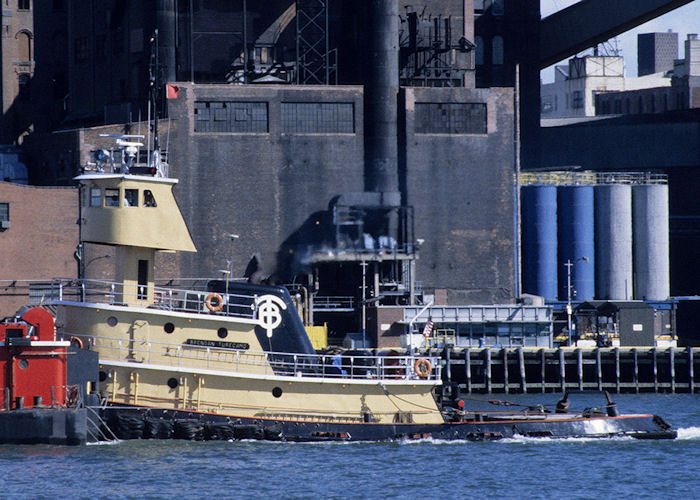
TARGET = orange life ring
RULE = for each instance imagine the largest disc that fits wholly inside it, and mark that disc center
(214, 302)
(423, 367)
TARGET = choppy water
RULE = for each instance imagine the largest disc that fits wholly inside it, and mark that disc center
(515, 468)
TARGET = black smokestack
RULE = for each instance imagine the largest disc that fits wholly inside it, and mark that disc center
(381, 90)
(165, 21)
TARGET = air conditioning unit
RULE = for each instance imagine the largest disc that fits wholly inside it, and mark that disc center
(4, 224)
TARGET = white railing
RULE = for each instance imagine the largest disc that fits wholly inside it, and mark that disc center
(157, 297)
(317, 366)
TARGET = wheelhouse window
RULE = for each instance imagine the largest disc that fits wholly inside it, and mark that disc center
(95, 197)
(111, 197)
(148, 199)
(23, 4)
(131, 197)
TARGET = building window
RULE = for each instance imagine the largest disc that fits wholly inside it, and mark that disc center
(318, 118)
(450, 118)
(497, 50)
(24, 46)
(479, 55)
(577, 100)
(547, 103)
(80, 52)
(23, 4)
(618, 106)
(118, 42)
(498, 7)
(23, 87)
(232, 117)
(4, 216)
(59, 88)
(100, 44)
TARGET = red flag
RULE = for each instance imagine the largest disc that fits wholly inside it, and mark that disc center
(172, 91)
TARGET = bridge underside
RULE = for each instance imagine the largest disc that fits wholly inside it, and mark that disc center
(589, 22)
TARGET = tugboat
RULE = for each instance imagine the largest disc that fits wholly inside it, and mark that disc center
(233, 360)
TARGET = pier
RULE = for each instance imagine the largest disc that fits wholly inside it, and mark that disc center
(532, 370)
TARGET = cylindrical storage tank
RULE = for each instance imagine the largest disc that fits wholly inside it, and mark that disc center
(613, 242)
(576, 244)
(539, 240)
(650, 237)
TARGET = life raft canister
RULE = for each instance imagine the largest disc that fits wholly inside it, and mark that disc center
(214, 302)
(422, 367)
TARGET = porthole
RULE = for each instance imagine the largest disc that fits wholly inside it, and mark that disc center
(103, 376)
(23, 364)
(222, 333)
(277, 392)
(172, 382)
(112, 321)
(169, 327)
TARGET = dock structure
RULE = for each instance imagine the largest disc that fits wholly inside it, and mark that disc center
(528, 370)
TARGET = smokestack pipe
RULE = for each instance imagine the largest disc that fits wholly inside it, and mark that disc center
(381, 93)
(165, 21)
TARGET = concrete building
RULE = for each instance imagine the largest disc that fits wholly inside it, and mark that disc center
(656, 52)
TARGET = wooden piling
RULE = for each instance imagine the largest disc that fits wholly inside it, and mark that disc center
(487, 369)
(691, 371)
(635, 360)
(562, 370)
(468, 369)
(579, 368)
(543, 359)
(617, 369)
(521, 366)
(672, 367)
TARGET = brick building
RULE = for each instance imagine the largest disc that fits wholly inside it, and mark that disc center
(38, 238)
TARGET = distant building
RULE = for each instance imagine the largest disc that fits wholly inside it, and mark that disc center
(656, 52)
(573, 93)
(683, 92)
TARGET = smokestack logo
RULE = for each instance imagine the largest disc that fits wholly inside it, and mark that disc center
(269, 313)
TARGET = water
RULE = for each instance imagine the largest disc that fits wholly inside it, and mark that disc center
(516, 468)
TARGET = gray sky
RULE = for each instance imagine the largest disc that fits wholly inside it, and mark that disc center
(683, 20)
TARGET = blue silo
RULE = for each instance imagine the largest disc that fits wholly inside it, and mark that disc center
(575, 211)
(539, 240)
